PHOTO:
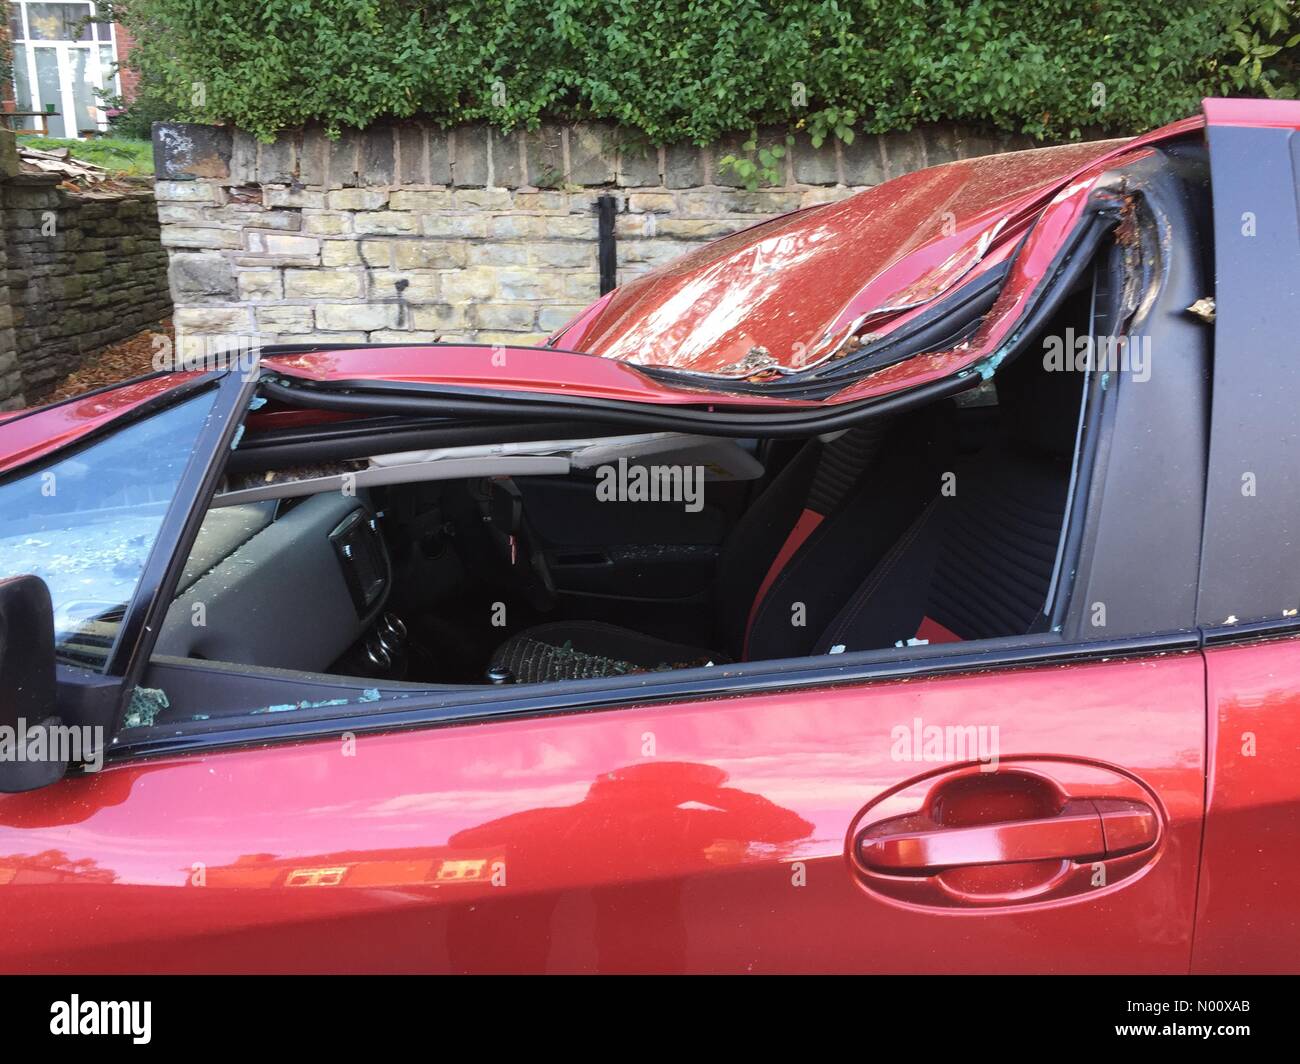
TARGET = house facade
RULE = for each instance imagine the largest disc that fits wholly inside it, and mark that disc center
(64, 63)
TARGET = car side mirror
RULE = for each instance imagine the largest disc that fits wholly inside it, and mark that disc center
(28, 757)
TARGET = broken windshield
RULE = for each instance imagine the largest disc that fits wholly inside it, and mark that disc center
(86, 523)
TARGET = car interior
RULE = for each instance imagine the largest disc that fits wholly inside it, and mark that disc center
(525, 561)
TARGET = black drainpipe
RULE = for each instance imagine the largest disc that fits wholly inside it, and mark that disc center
(606, 208)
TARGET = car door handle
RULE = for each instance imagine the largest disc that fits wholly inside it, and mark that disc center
(1084, 830)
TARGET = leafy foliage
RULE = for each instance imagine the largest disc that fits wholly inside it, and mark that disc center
(134, 120)
(758, 165)
(683, 70)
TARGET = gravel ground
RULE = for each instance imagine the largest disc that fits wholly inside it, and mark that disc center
(132, 357)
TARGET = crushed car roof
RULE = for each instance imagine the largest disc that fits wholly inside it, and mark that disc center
(793, 293)
(785, 294)
(744, 322)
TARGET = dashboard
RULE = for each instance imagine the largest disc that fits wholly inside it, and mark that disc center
(284, 585)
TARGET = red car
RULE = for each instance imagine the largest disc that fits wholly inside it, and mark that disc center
(907, 584)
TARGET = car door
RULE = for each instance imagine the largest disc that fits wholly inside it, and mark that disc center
(693, 835)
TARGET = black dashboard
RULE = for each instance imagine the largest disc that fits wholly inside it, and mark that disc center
(285, 586)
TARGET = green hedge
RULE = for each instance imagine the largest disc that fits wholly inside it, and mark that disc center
(675, 70)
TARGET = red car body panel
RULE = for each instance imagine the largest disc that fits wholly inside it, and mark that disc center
(775, 279)
(530, 370)
(43, 431)
(566, 373)
(1248, 921)
(793, 285)
(699, 836)
(798, 285)
(1265, 114)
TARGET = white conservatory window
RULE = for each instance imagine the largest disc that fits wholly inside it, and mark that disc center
(63, 61)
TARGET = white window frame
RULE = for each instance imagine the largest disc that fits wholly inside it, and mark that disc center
(67, 105)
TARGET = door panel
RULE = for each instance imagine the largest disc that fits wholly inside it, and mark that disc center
(630, 549)
(1247, 916)
(705, 836)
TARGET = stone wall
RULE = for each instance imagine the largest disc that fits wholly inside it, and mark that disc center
(79, 271)
(11, 381)
(406, 232)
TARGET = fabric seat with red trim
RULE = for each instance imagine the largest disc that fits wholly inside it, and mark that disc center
(862, 542)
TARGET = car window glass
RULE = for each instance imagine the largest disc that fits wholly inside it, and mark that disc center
(86, 523)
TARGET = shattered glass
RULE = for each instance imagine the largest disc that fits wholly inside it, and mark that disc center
(146, 704)
(86, 524)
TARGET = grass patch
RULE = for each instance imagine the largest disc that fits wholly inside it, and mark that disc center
(121, 156)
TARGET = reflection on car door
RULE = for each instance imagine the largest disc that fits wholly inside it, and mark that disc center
(718, 835)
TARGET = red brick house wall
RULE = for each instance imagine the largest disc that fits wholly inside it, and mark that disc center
(129, 78)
